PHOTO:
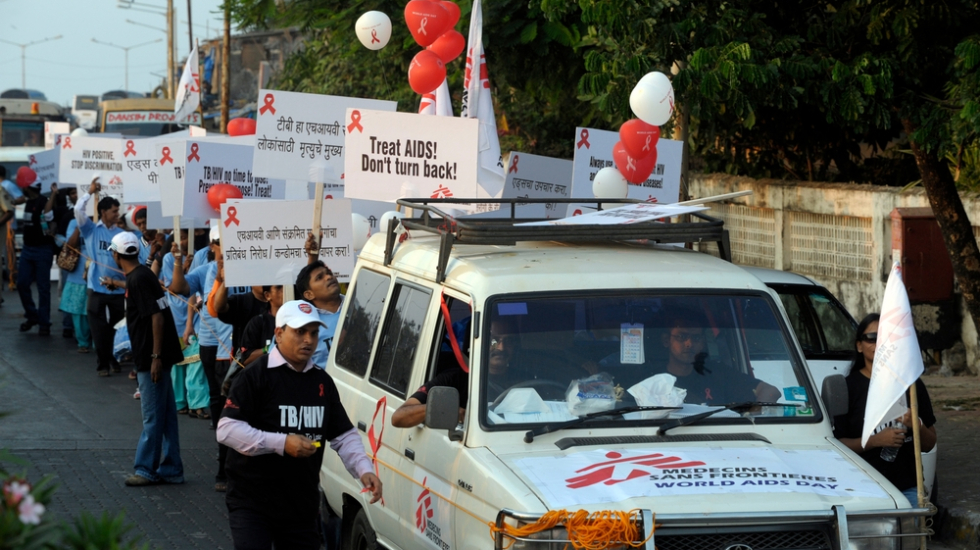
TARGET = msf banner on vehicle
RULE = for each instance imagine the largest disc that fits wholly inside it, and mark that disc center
(614, 476)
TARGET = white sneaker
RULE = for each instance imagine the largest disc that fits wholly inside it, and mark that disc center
(137, 394)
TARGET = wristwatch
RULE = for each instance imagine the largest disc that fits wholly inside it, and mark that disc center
(154, 356)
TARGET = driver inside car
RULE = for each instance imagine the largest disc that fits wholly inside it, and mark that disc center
(504, 344)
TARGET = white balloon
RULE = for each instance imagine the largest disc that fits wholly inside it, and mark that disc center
(362, 230)
(373, 30)
(383, 225)
(652, 99)
(610, 184)
(79, 132)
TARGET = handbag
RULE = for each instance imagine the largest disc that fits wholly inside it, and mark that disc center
(67, 258)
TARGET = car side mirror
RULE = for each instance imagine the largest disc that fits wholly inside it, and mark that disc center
(442, 411)
(833, 391)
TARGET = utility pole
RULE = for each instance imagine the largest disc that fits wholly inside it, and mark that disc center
(190, 28)
(23, 56)
(170, 49)
(225, 72)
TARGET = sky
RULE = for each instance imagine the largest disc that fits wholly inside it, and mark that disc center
(74, 65)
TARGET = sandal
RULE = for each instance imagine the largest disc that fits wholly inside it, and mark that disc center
(199, 413)
(183, 411)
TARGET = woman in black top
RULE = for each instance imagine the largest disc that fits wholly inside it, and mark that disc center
(847, 428)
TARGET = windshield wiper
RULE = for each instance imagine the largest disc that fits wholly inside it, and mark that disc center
(694, 418)
(548, 428)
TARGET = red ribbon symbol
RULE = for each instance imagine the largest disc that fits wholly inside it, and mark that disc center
(269, 99)
(646, 146)
(375, 442)
(67, 144)
(355, 122)
(194, 155)
(630, 164)
(232, 216)
(513, 165)
(584, 135)
(374, 36)
(425, 20)
(33, 160)
(130, 148)
(166, 156)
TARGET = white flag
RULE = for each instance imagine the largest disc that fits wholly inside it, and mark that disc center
(437, 102)
(898, 361)
(189, 89)
(477, 103)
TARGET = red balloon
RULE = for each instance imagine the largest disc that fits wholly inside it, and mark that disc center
(426, 21)
(241, 127)
(26, 176)
(635, 170)
(639, 138)
(452, 8)
(221, 192)
(448, 46)
(426, 72)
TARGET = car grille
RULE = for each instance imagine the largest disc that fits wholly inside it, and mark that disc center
(812, 539)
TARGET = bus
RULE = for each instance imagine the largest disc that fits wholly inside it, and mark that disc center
(22, 129)
(85, 109)
(142, 117)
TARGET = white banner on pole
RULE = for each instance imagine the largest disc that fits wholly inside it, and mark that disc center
(594, 151)
(45, 164)
(615, 476)
(394, 155)
(898, 360)
(294, 129)
(189, 88)
(263, 241)
(52, 128)
(538, 177)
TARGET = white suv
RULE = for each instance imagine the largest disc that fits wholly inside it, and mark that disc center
(564, 331)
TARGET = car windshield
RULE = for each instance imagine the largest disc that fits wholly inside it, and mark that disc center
(554, 359)
(17, 133)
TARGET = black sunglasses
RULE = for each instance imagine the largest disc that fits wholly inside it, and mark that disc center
(869, 337)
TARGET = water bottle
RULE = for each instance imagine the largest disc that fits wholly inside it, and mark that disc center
(888, 454)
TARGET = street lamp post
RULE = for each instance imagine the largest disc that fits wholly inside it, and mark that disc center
(23, 56)
(126, 50)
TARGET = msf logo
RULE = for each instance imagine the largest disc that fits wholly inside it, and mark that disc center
(619, 469)
(424, 511)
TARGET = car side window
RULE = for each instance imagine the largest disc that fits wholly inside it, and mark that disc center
(798, 318)
(361, 322)
(400, 339)
(837, 327)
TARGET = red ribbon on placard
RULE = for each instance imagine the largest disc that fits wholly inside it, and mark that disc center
(584, 135)
(33, 161)
(194, 155)
(355, 122)
(447, 320)
(375, 442)
(268, 101)
(166, 156)
(67, 144)
(130, 148)
(232, 216)
(513, 164)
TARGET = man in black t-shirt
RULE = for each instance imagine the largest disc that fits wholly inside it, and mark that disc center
(156, 348)
(260, 332)
(34, 266)
(279, 414)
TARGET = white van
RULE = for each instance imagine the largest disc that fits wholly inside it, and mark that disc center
(591, 318)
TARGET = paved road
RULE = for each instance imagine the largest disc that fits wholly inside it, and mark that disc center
(83, 429)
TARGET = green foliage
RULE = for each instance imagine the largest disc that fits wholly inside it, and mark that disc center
(102, 533)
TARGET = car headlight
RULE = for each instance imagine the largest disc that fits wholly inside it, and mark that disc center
(543, 540)
(873, 534)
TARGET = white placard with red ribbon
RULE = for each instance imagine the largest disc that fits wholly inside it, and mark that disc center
(45, 164)
(538, 177)
(263, 241)
(394, 154)
(294, 129)
(81, 157)
(594, 151)
(207, 163)
(52, 128)
(141, 170)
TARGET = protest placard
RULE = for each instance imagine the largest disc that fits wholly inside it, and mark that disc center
(200, 164)
(82, 157)
(52, 128)
(538, 177)
(594, 151)
(263, 241)
(435, 156)
(156, 220)
(45, 164)
(141, 171)
(294, 129)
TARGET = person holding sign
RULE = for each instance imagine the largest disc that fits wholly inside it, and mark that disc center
(316, 284)
(106, 303)
(890, 449)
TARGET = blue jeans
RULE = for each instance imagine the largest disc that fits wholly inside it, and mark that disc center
(35, 267)
(913, 496)
(158, 450)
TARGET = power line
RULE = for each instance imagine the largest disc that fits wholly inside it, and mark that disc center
(86, 66)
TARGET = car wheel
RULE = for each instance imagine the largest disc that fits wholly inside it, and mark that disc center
(362, 535)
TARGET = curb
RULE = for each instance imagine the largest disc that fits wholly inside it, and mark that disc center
(960, 526)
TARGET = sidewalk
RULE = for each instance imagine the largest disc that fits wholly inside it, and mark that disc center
(956, 402)
(83, 429)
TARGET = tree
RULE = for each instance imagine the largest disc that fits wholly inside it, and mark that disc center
(795, 88)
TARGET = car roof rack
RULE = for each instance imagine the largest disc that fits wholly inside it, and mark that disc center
(507, 231)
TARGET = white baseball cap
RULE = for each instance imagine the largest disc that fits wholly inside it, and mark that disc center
(297, 314)
(125, 243)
